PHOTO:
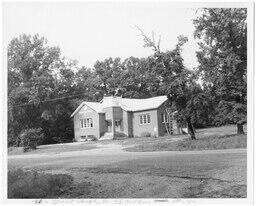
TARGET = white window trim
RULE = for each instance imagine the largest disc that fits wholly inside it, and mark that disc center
(144, 115)
(86, 123)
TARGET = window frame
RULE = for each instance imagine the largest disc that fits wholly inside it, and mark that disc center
(164, 118)
(145, 119)
(86, 123)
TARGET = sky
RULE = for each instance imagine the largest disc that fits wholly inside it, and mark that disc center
(88, 32)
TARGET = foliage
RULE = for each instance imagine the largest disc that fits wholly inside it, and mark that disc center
(92, 138)
(223, 60)
(37, 74)
(31, 138)
(119, 136)
(31, 184)
(109, 72)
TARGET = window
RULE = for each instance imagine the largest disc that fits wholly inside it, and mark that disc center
(109, 123)
(118, 123)
(141, 119)
(164, 118)
(144, 119)
(86, 123)
(148, 118)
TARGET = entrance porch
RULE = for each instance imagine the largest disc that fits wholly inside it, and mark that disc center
(112, 129)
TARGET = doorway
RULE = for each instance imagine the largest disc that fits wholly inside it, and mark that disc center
(109, 125)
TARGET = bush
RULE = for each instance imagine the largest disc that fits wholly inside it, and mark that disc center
(145, 134)
(31, 184)
(119, 136)
(56, 140)
(31, 138)
(92, 138)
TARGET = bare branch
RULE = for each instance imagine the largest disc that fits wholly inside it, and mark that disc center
(148, 42)
(158, 44)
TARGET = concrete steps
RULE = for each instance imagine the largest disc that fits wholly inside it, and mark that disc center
(108, 135)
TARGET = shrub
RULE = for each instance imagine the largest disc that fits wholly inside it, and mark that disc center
(56, 140)
(31, 138)
(119, 136)
(92, 138)
(145, 134)
(31, 184)
(11, 141)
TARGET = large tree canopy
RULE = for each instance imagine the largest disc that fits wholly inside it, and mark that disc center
(223, 60)
(44, 88)
(176, 81)
(37, 74)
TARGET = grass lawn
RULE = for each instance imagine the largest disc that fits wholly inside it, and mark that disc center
(184, 176)
(207, 139)
(54, 148)
(176, 176)
(207, 143)
(32, 184)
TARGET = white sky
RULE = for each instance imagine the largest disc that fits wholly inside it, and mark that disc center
(88, 32)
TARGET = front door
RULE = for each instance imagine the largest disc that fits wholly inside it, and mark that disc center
(118, 125)
(109, 125)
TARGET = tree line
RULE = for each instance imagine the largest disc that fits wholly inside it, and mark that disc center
(44, 88)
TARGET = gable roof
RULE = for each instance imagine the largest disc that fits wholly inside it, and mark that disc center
(97, 107)
(142, 104)
(126, 104)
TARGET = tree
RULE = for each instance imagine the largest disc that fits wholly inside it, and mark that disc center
(109, 73)
(223, 60)
(138, 81)
(129, 78)
(40, 84)
(29, 81)
(175, 80)
(37, 75)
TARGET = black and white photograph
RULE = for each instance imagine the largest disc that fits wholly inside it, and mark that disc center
(124, 102)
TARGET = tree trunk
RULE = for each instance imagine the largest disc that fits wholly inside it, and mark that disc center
(191, 129)
(240, 129)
